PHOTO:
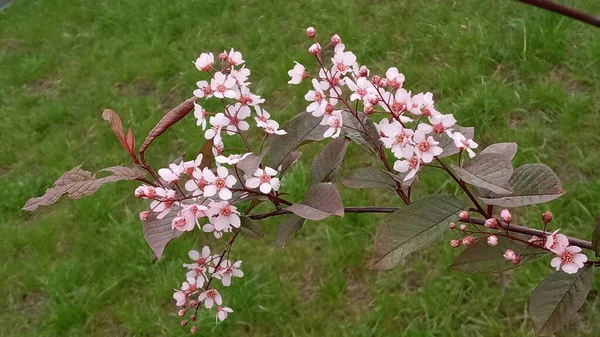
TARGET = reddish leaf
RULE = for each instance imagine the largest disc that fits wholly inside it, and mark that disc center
(207, 154)
(168, 120)
(76, 183)
(158, 232)
(249, 228)
(361, 131)
(320, 201)
(117, 127)
(328, 162)
(288, 161)
(290, 226)
(130, 140)
(369, 177)
(250, 163)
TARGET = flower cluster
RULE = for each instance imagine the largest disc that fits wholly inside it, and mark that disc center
(411, 126)
(193, 293)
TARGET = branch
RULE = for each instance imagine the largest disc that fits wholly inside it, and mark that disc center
(346, 210)
(564, 10)
(530, 231)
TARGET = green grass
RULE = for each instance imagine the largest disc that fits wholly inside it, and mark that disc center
(82, 268)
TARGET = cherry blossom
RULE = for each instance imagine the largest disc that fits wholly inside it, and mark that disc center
(200, 114)
(342, 60)
(163, 206)
(233, 159)
(222, 312)
(492, 240)
(201, 262)
(204, 90)
(210, 297)
(317, 97)
(190, 166)
(196, 184)
(217, 121)
(395, 78)
(556, 243)
(172, 173)
(315, 49)
(506, 216)
(145, 192)
(426, 148)
(360, 89)
(411, 165)
(311, 32)
(237, 114)
(222, 85)
(335, 125)
(248, 98)
(226, 270)
(442, 123)
(235, 58)
(205, 61)
(220, 183)
(462, 143)
(297, 74)
(396, 137)
(272, 127)
(510, 255)
(223, 216)
(569, 260)
(264, 180)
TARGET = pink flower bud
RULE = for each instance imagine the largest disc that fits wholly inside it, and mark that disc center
(455, 243)
(375, 79)
(311, 32)
(194, 330)
(335, 40)
(193, 303)
(516, 260)
(462, 227)
(363, 71)
(181, 313)
(223, 56)
(547, 217)
(145, 215)
(505, 215)
(491, 223)
(184, 322)
(463, 215)
(468, 240)
(315, 49)
(368, 109)
(193, 318)
(383, 82)
(492, 240)
(452, 225)
(509, 254)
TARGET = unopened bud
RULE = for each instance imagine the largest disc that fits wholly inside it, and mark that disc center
(468, 240)
(335, 40)
(368, 109)
(315, 49)
(383, 82)
(491, 223)
(547, 217)
(375, 79)
(193, 303)
(329, 108)
(193, 318)
(194, 329)
(505, 215)
(463, 215)
(223, 56)
(145, 215)
(181, 313)
(363, 71)
(462, 227)
(311, 32)
(455, 243)
(516, 260)
(452, 225)
(492, 240)
(184, 322)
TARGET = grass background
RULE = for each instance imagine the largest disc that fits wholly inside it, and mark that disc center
(82, 268)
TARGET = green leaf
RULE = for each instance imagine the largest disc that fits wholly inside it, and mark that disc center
(532, 184)
(328, 162)
(447, 143)
(301, 129)
(413, 227)
(554, 301)
(369, 177)
(249, 228)
(320, 201)
(507, 149)
(290, 226)
(363, 131)
(491, 171)
(596, 236)
(483, 258)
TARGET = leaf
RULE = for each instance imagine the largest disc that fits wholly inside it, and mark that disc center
(250, 163)
(159, 232)
(170, 118)
(77, 182)
(491, 171)
(207, 154)
(554, 301)
(596, 236)
(483, 258)
(507, 149)
(412, 227)
(290, 226)
(447, 143)
(249, 228)
(320, 201)
(532, 184)
(369, 177)
(116, 125)
(288, 161)
(363, 131)
(301, 129)
(328, 162)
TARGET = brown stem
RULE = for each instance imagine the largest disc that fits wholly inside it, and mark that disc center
(564, 10)
(346, 210)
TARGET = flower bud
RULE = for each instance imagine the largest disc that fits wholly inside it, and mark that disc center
(315, 49)
(492, 240)
(223, 56)
(193, 318)
(368, 109)
(491, 223)
(463, 227)
(329, 109)
(311, 32)
(464, 215)
(383, 82)
(468, 240)
(375, 79)
(509, 254)
(193, 303)
(452, 225)
(505, 215)
(455, 243)
(194, 329)
(547, 217)
(363, 71)
(335, 40)
(181, 313)
(145, 215)
(516, 260)
(184, 322)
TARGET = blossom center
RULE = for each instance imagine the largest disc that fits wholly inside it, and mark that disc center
(207, 90)
(413, 162)
(265, 178)
(225, 211)
(400, 138)
(212, 293)
(567, 257)
(221, 88)
(220, 183)
(439, 128)
(397, 106)
(362, 92)
(340, 67)
(424, 146)
(318, 97)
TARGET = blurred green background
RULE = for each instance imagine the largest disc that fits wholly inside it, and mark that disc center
(82, 268)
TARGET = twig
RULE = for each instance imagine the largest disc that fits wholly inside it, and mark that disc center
(564, 10)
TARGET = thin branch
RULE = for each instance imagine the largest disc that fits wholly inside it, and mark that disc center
(573, 13)
(346, 210)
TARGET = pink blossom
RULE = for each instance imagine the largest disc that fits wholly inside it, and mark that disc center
(455, 243)
(547, 217)
(335, 125)
(297, 74)
(222, 85)
(395, 78)
(463, 215)
(569, 260)
(506, 216)
(468, 240)
(462, 143)
(190, 166)
(272, 127)
(492, 240)
(397, 138)
(205, 61)
(360, 89)
(442, 123)
(217, 122)
(223, 216)
(556, 243)
(335, 40)
(248, 98)
(315, 49)
(510, 255)
(201, 262)
(426, 148)
(210, 297)
(241, 76)
(235, 58)
(411, 166)
(204, 90)
(227, 270)
(222, 312)
(233, 159)
(311, 32)
(317, 97)
(145, 192)
(491, 223)
(163, 206)
(264, 180)
(220, 183)
(200, 114)
(237, 114)
(196, 184)
(172, 173)
(342, 60)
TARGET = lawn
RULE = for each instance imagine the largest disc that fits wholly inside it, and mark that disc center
(82, 268)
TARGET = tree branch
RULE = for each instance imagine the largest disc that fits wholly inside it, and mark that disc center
(564, 10)
(346, 210)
